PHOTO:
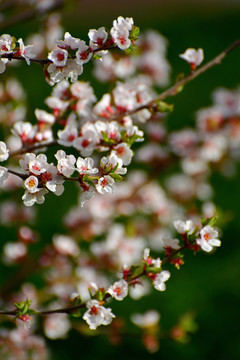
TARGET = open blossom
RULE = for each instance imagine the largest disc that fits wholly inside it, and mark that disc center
(160, 279)
(26, 51)
(83, 55)
(66, 163)
(4, 152)
(147, 320)
(118, 290)
(108, 163)
(30, 198)
(168, 242)
(123, 152)
(120, 32)
(69, 133)
(31, 184)
(184, 226)
(97, 37)
(208, 238)
(105, 184)
(25, 131)
(85, 166)
(97, 315)
(58, 57)
(193, 57)
(68, 42)
(5, 44)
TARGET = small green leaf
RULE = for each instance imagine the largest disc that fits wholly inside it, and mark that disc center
(164, 107)
(134, 32)
(116, 177)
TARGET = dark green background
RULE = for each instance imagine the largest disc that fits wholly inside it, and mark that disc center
(208, 285)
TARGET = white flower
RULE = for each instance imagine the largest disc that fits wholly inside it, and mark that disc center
(105, 184)
(31, 184)
(38, 165)
(65, 163)
(4, 152)
(123, 152)
(44, 117)
(27, 52)
(58, 57)
(97, 37)
(69, 133)
(83, 55)
(168, 242)
(208, 238)
(5, 44)
(160, 279)
(118, 290)
(3, 65)
(69, 41)
(193, 57)
(30, 199)
(184, 226)
(120, 32)
(149, 319)
(85, 166)
(86, 143)
(57, 327)
(25, 130)
(3, 175)
(97, 315)
(110, 162)
(65, 245)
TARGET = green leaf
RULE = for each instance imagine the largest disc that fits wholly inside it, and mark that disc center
(134, 32)
(164, 107)
(136, 270)
(116, 177)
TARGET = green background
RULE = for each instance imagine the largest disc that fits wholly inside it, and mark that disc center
(207, 285)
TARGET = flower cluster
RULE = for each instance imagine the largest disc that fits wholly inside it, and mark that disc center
(119, 243)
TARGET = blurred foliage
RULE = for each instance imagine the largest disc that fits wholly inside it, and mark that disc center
(207, 285)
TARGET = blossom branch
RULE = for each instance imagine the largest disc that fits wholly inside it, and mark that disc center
(175, 89)
(71, 309)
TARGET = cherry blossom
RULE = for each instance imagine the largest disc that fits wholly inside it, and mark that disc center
(208, 238)
(118, 290)
(160, 279)
(97, 315)
(193, 57)
(4, 152)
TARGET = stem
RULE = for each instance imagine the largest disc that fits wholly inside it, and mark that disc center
(22, 176)
(70, 309)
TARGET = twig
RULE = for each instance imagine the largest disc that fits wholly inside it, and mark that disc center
(175, 89)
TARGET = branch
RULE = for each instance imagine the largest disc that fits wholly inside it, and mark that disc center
(175, 89)
(71, 309)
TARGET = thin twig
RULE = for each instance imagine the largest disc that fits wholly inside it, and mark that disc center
(175, 89)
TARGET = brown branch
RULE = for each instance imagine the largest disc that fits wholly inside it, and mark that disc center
(71, 309)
